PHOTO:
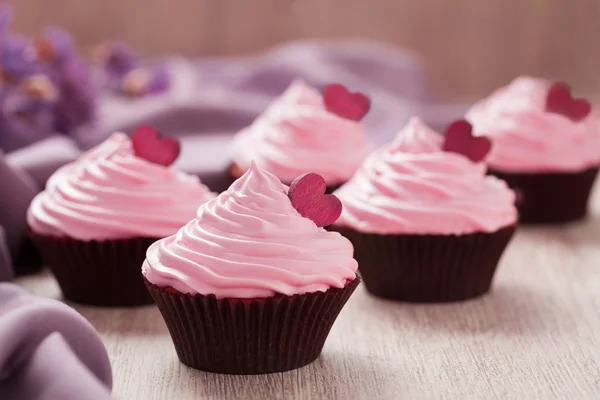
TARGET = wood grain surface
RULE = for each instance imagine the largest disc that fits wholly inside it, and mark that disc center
(535, 336)
(469, 47)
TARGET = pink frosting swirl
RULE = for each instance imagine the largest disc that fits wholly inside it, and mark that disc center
(296, 134)
(413, 187)
(109, 193)
(250, 242)
(529, 139)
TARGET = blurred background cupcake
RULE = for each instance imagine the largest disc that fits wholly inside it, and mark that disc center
(98, 215)
(546, 146)
(426, 222)
(304, 130)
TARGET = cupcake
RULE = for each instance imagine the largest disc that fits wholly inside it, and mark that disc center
(426, 222)
(304, 130)
(253, 284)
(97, 216)
(546, 147)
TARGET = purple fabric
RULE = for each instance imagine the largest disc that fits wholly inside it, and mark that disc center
(41, 159)
(49, 351)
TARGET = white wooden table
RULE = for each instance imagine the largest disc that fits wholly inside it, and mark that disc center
(535, 336)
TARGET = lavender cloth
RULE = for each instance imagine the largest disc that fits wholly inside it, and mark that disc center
(49, 351)
(42, 158)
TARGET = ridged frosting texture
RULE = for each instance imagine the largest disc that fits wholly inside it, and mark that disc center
(296, 135)
(250, 242)
(529, 139)
(109, 193)
(413, 187)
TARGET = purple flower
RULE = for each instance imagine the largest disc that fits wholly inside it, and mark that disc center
(146, 81)
(39, 86)
(17, 58)
(54, 46)
(117, 59)
(72, 75)
(45, 86)
(76, 104)
(124, 73)
(28, 116)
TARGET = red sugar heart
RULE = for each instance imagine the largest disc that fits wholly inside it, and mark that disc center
(150, 145)
(560, 101)
(346, 104)
(308, 197)
(459, 139)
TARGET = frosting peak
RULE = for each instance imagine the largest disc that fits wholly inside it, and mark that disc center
(416, 137)
(412, 186)
(250, 242)
(300, 94)
(296, 135)
(527, 138)
(109, 193)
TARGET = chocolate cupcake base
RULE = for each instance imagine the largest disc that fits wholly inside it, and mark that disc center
(551, 198)
(99, 273)
(428, 268)
(254, 336)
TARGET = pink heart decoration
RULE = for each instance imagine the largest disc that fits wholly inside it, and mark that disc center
(150, 145)
(459, 139)
(346, 104)
(308, 197)
(560, 101)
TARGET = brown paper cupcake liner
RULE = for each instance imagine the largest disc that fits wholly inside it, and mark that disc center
(99, 273)
(234, 172)
(551, 198)
(258, 336)
(428, 268)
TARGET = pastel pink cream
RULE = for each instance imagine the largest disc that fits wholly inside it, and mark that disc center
(296, 135)
(109, 193)
(527, 138)
(412, 186)
(250, 242)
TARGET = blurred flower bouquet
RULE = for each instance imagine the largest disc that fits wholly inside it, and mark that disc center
(47, 87)
(122, 72)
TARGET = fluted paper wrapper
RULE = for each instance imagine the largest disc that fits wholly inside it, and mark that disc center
(99, 273)
(551, 198)
(428, 268)
(250, 336)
